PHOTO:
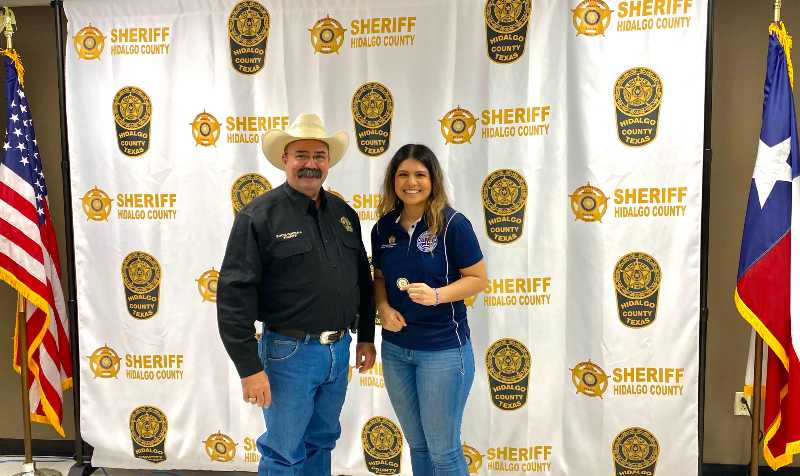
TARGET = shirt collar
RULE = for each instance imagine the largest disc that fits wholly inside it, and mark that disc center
(302, 202)
(397, 220)
(418, 225)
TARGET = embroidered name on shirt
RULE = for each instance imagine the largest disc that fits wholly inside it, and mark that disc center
(289, 235)
(391, 243)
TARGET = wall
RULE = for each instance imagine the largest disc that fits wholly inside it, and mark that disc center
(740, 46)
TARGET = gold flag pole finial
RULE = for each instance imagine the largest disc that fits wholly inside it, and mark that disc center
(778, 10)
(9, 25)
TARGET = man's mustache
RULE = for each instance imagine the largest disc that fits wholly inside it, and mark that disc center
(309, 173)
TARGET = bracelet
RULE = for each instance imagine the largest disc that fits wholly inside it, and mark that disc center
(436, 292)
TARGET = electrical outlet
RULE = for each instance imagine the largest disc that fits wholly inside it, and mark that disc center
(739, 408)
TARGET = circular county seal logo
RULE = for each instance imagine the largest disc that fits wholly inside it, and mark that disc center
(473, 459)
(89, 42)
(104, 362)
(327, 36)
(372, 105)
(246, 188)
(637, 275)
(382, 442)
(141, 272)
(220, 447)
(132, 108)
(457, 126)
(588, 203)
(638, 92)
(207, 285)
(96, 204)
(148, 427)
(589, 379)
(248, 23)
(508, 361)
(635, 449)
(507, 16)
(504, 192)
(205, 129)
(591, 17)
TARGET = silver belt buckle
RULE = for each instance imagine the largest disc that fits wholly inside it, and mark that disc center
(328, 337)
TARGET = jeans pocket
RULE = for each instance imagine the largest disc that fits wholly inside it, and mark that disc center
(281, 349)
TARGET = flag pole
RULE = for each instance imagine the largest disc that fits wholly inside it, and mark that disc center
(28, 466)
(755, 424)
(755, 429)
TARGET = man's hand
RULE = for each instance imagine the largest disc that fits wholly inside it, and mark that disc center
(365, 356)
(391, 320)
(255, 389)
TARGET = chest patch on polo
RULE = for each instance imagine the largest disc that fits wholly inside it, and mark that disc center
(427, 242)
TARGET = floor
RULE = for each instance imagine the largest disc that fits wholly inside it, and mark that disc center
(13, 465)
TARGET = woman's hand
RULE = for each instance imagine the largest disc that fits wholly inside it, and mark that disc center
(391, 320)
(421, 293)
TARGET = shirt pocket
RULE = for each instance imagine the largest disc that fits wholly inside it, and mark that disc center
(291, 252)
(351, 243)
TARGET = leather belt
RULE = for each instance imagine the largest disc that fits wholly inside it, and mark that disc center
(324, 337)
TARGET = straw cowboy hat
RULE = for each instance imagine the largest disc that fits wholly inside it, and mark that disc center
(305, 126)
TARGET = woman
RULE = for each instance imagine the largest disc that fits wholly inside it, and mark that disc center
(427, 260)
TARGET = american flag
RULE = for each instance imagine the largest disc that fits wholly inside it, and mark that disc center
(767, 294)
(29, 258)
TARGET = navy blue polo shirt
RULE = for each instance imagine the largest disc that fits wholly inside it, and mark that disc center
(431, 259)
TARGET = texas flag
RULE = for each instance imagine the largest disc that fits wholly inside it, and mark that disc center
(769, 263)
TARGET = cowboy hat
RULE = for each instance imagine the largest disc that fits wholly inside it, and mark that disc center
(305, 126)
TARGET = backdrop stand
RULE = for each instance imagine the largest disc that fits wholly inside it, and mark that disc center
(704, 239)
(82, 465)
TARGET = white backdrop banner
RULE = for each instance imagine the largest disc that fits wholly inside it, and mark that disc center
(571, 135)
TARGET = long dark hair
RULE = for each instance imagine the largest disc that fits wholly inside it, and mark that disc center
(437, 201)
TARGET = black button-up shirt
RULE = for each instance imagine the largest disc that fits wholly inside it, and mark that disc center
(292, 265)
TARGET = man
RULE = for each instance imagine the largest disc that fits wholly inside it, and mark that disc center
(296, 262)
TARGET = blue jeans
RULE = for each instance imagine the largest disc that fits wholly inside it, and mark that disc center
(429, 390)
(308, 381)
